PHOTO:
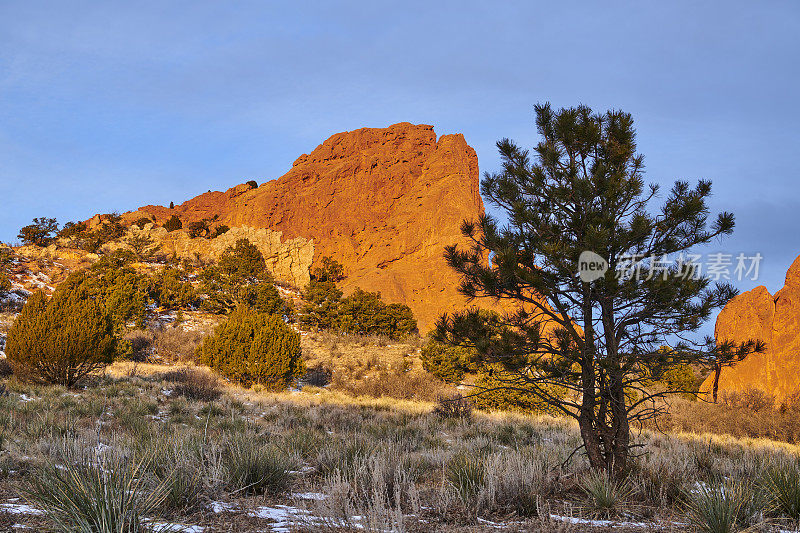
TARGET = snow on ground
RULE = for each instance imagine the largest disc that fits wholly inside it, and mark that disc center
(222, 507)
(20, 508)
(281, 516)
(318, 496)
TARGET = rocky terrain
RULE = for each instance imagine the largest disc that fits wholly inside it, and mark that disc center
(384, 202)
(774, 319)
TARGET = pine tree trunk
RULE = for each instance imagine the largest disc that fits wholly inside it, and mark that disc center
(717, 373)
(591, 442)
(620, 446)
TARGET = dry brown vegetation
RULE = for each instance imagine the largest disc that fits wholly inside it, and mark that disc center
(341, 463)
(751, 413)
(372, 366)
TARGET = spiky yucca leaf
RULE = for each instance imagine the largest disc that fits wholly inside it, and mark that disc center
(106, 495)
(783, 483)
(728, 507)
(604, 494)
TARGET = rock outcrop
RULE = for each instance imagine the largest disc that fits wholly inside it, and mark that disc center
(288, 260)
(384, 202)
(757, 314)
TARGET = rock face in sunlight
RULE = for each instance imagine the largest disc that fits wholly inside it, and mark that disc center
(384, 202)
(757, 314)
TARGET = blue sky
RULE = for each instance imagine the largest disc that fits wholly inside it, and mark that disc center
(110, 105)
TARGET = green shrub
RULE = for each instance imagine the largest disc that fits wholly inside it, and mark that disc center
(506, 392)
(63, 340)
(364, 313)
(198, 228)
(329, 270)
(240, 279)
(170, 289)
(680, 378)
(142, 222)
(361, 313)
(173, 224)
(320, 309)
(117, 285)
(264, 298)
(220, 230)
(72, 229)
(142, 245)
(243, 262)
(109, 229)
(447, 362)
(253, 347)
(5, 260)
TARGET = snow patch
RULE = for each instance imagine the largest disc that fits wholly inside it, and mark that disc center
(222, 507)
(20, 508)
(317, 496)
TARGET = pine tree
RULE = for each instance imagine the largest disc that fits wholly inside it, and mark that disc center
(582, 189)
(40, 233)
(241, 278)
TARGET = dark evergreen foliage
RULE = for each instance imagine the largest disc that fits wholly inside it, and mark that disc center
(329, 270)
(582, 189)
(40, 233)
(361, 313)
(63, 340)
(251, 348)
(240, 277)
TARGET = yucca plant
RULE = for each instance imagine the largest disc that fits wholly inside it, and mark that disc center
(181, 490)
(466, 474)
(783, 485)
(604, 495)
(106, 495)
(254, 468)
(723, 507)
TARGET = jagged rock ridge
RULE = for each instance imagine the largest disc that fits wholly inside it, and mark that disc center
(384, 202)
(757, 314)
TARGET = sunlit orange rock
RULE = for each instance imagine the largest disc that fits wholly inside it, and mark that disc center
(384, 202)
(757, 314)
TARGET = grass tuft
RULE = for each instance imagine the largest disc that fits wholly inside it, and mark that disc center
(467, 475)
(604, 495)
(723, 508)
(783, 484)
(106, 495)
(254, 468)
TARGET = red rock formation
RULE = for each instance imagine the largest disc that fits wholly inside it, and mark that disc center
(384, 202)
(757, 314)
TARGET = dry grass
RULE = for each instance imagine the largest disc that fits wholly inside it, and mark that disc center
(372, 365)
(745, 414)
(395, 463)
(195, 383)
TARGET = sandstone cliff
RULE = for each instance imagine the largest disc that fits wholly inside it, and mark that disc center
(384, 202)
(757, 314)
(289, 260)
